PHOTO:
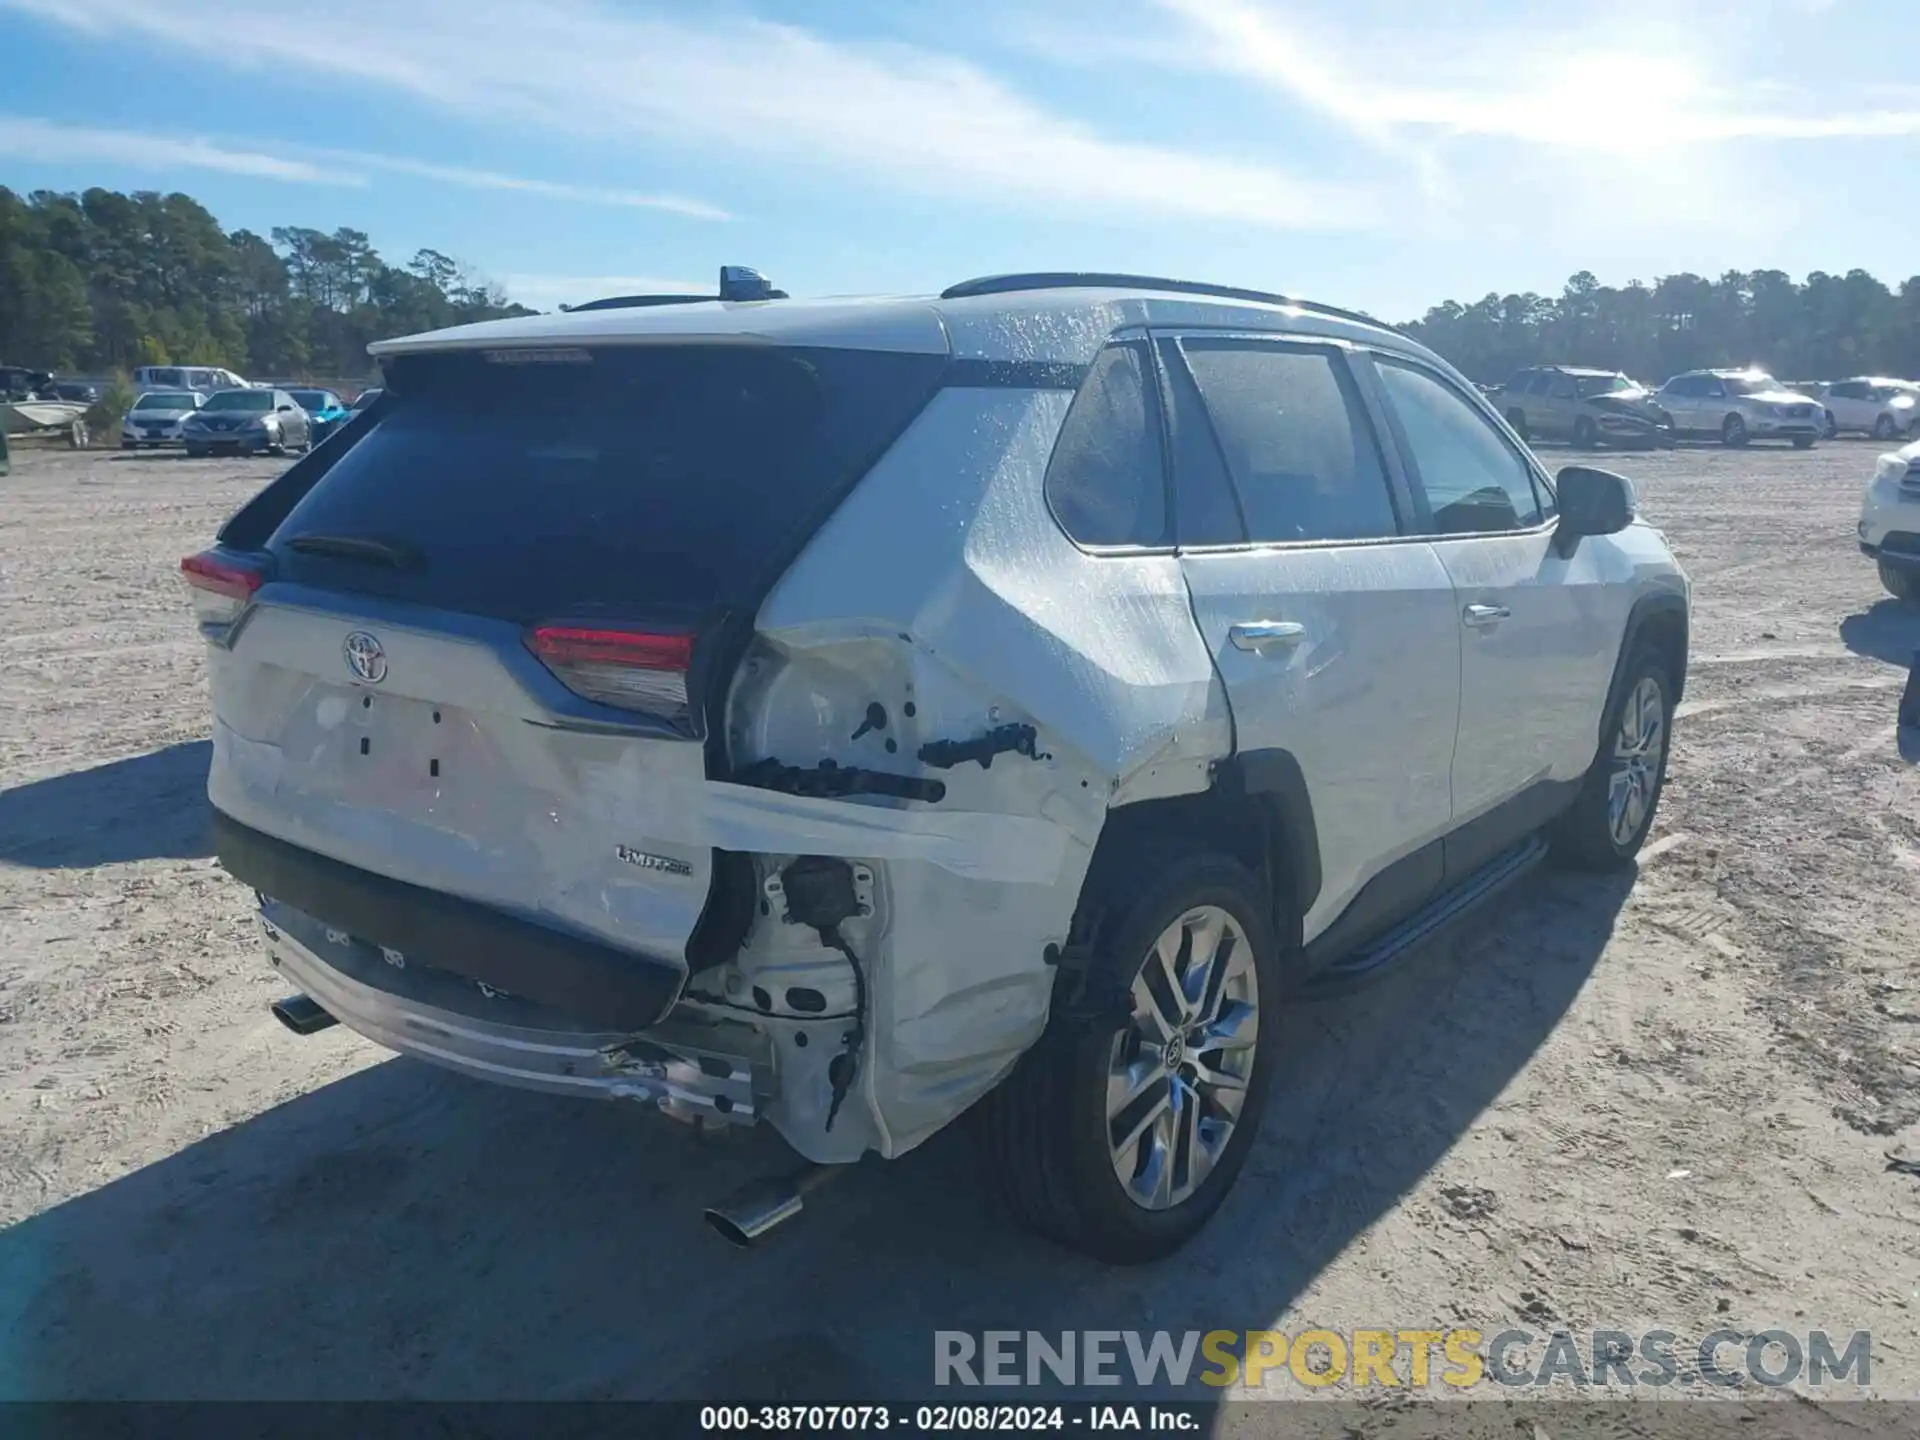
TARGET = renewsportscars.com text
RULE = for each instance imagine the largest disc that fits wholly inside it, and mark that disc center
(1408, 1359)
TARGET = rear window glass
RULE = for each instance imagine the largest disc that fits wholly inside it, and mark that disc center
(644, 479)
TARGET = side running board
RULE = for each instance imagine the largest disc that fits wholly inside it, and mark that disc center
(1375, 960)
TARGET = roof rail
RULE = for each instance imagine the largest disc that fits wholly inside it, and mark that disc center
(629, 302)
(737, 282)
(1097, 280)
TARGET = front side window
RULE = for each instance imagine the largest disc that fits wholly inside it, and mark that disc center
(1107, 480)
(1473, 479)
(1295, 440)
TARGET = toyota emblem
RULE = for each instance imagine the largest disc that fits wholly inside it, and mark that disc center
(366, 658)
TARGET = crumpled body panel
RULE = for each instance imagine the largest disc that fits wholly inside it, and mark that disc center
(943, 604)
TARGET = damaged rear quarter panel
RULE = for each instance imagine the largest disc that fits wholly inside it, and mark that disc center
(943, 601)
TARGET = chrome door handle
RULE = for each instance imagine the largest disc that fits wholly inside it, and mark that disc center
(1260, 636)
(1481, 615)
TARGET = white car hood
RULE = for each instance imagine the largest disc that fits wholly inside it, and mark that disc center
(1781, 397)
(158, 417)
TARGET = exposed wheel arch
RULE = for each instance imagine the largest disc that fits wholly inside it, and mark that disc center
(1257, 810)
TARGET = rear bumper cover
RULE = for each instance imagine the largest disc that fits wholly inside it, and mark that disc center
(713, 1072)
(579, 977)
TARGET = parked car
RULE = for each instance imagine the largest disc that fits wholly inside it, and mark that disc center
(246, 422)
(326, 410)
(1890, 522)
(205, 379)
(83, 392)
(1009, 698)
(155, 418)
(1739, 406)
(1588, 407)
(1872, 405)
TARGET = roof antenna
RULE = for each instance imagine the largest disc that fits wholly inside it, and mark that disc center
(743, 282)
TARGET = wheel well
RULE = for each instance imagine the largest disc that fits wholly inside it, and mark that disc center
(1666, 632)
(1251, 827)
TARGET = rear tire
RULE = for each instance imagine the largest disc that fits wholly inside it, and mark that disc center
(1899, 583)
(1832, 428)
(1585, 433)
(1518, 420)
(1733, 432)
(1047, 1132)
(1608, 822)
(1803, 442)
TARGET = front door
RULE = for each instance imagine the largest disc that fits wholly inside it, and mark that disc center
(1538, 631)
(1331, 623)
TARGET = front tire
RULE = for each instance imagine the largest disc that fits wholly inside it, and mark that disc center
(1831, 431)
(1885, 429)
(1608, 822)
(1121, 1131)
(1585, 434)
(1518, 420)
(1733, 432)
(1899, 583)
(1803, 442)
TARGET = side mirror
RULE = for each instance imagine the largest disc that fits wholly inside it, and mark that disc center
(1592, 502)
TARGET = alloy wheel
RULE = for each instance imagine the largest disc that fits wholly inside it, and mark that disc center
(1178, 1071)
(1637, 751)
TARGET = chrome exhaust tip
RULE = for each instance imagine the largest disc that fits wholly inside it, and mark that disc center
(302, 1015)
(754, 1209)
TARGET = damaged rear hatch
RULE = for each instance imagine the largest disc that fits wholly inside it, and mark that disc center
(450, 661)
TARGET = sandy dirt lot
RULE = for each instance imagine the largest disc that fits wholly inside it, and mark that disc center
(1657, 1101)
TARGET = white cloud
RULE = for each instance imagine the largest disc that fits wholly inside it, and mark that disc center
(549, 292)
(44, 142)
(546, 189)
(912, 117)
(1604, 81)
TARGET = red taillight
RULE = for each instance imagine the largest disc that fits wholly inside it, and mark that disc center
(208, 571)
(222, 586)
(631, 669)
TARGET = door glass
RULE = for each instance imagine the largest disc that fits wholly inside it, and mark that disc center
(1562, 388)
(1295, 439)
(1107, 481)
(1473, 479)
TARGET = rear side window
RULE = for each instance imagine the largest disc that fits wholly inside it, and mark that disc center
(656, 480)
(1295, 440)
(1107, 480)
(1474, 480)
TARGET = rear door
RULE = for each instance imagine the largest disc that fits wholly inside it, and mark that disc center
(1850, 405)
(1331, 624)
(1538, 631)
(476, 664)
(1680, 398)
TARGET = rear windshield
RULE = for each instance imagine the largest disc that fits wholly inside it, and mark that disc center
(641, 480)
(165, 400)
(252, 402)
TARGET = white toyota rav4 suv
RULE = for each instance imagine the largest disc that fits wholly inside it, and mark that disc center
(850, 714)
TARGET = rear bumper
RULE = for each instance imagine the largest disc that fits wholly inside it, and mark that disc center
(721, 1073)
(581, 978)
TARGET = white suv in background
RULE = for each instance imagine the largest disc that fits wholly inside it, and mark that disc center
(1890, 522)
(1884, 409)
(1739, 406)
(1005, 699)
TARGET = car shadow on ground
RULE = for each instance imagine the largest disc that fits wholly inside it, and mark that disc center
(403, 1232)
(1888, 631)
(146, 807)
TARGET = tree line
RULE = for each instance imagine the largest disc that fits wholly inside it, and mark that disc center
(1829, 328)
(104, 281)
(101, 281)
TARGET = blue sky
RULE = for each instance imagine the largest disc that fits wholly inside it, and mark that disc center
(1379, 153)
